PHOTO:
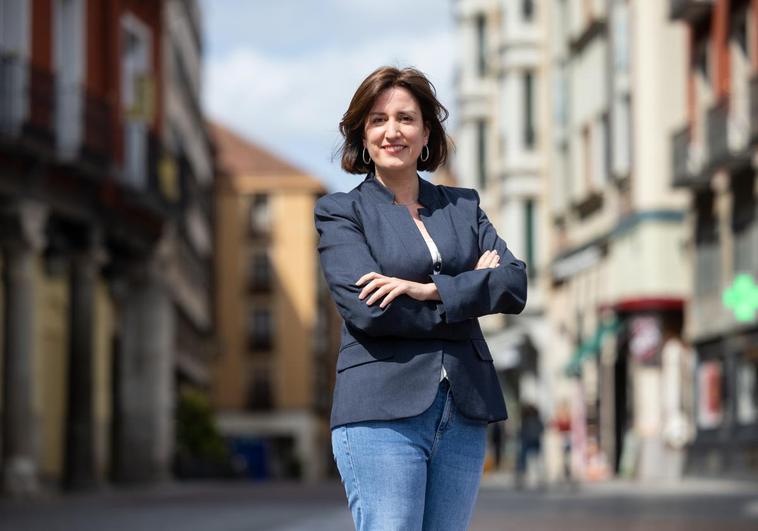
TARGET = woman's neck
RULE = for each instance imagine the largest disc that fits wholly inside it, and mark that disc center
(403, 186)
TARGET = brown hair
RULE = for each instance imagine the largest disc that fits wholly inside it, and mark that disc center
(433, 113)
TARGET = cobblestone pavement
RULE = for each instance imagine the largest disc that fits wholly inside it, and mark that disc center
(691, 506)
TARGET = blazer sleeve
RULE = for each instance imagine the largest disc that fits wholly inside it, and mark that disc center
(479, 292)
(345, 257)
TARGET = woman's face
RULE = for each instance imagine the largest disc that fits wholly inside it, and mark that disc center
(394, 133)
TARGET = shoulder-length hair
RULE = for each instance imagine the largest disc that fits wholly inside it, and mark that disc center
(353, 122)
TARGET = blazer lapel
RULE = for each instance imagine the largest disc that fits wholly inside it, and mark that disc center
(439, 224)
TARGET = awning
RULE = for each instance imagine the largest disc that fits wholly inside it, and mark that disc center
(590, 347)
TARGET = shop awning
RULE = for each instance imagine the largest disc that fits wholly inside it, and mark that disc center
(590, 347)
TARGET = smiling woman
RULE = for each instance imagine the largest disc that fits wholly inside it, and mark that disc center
(411, 266)
(403, 104)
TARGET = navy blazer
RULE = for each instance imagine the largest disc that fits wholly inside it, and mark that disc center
(390, 359)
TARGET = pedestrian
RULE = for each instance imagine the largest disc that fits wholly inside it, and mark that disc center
(530, 439)
(562, 424)
(411, 266)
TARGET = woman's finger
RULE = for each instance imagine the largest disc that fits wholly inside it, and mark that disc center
(378, 294)
(367, 277)
(482, 263)
(398, 290)
(371, 286)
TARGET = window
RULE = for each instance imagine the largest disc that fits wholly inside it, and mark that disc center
(706, 228)
(529, 227)
(739, 27)
(711, 393)
(260, 329)
(482, 153)
(605, 148)
(260, 274)
(701, 56)
(529, 134)
(527, 9)
(747, 390)
(743, 222)
(587, 156)
(707, 251)
(260, 215)
(481, 44)
(260, 392)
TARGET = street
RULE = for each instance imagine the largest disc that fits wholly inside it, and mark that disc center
(693, 505)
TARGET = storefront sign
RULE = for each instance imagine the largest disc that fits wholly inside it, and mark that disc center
(742, 298)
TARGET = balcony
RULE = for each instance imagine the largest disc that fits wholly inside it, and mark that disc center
(27, 105)
(690, 10)
(728, 133)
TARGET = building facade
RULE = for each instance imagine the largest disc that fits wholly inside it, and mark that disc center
(278, 327)
(713, 152)
(500, 152)
(620, 265)
(89, 207)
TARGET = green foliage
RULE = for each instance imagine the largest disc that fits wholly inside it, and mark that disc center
(197, 437)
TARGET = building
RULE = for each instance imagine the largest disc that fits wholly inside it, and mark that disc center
(277, 325)
(713, 154)
(93, 212)
(502, 153)
(619, 261)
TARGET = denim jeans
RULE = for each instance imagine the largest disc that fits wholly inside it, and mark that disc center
(412, 474)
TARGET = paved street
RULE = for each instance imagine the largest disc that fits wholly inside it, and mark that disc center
(701, 505)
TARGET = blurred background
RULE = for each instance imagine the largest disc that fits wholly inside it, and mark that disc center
(163, 315)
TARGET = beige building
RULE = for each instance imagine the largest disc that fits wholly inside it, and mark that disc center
(620, 265)
(277, 325)
(501, 151)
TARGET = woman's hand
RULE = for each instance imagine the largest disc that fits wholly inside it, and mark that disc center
(391, 287)
(489, 259)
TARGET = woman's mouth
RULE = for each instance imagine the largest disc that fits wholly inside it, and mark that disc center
(393, 148)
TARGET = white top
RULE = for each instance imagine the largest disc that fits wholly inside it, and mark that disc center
(436, 267)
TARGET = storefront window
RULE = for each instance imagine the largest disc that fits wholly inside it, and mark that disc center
(710, 404)
(747, 391)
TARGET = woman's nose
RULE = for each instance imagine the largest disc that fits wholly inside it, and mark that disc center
(393, 128)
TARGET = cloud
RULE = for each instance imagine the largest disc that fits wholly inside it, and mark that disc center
(292, 102)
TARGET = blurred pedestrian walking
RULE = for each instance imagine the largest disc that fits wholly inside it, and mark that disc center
(530, 439)
(562, 423)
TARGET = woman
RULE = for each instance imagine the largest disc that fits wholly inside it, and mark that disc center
(411, 266)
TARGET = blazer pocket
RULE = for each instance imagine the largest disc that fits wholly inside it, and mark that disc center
(480, 345)
(359, 354)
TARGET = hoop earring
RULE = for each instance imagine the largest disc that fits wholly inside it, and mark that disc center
(364, 156)
(423, 158)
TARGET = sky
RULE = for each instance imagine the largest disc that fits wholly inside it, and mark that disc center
(282, 72)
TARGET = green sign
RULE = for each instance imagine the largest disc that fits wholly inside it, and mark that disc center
(742, 298)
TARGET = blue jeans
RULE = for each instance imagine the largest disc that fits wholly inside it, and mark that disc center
(412, 474)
